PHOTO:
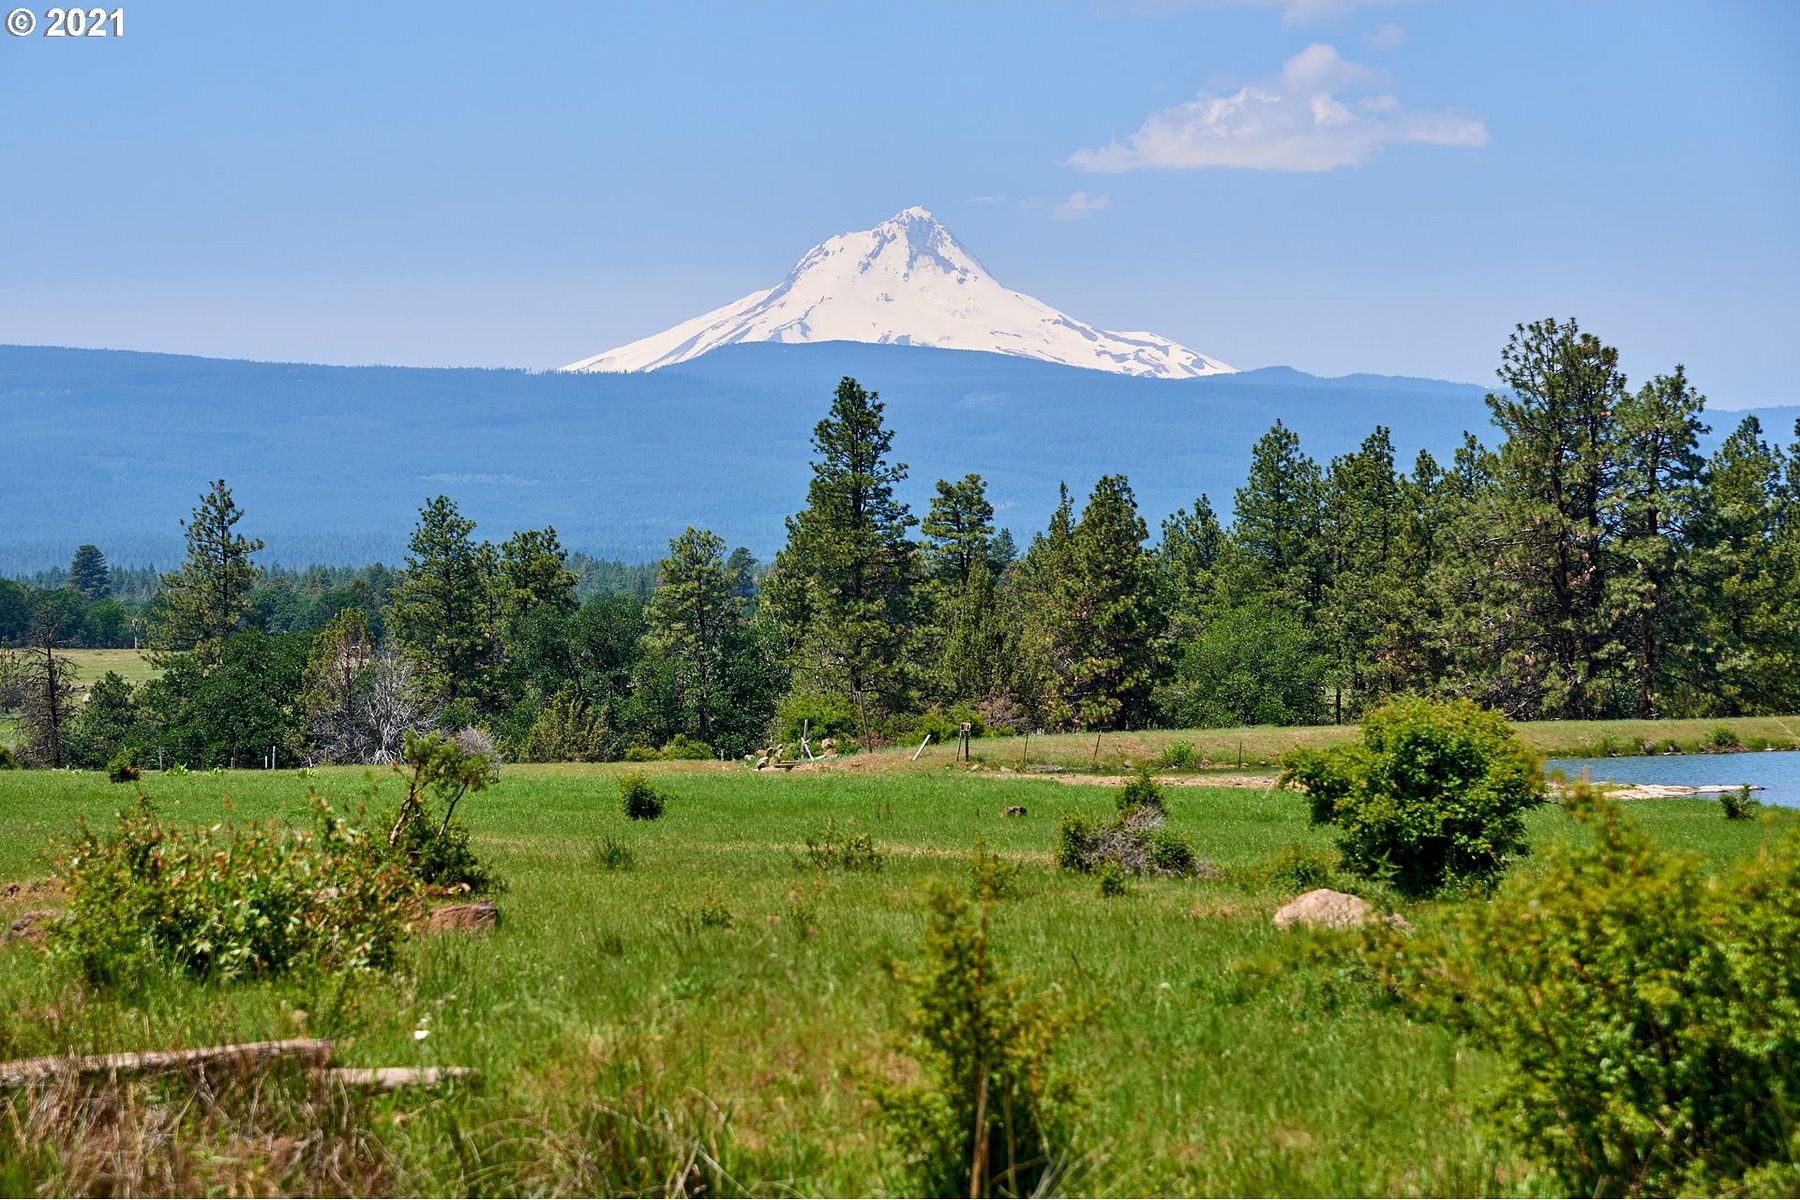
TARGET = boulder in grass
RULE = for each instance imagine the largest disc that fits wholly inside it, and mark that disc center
(1323, 908)
(480, 916)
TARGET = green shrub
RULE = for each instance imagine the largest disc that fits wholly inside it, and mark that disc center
(1113, 881)
(640, 800)
(1433, 796)
(642, 754)
(1650, 1012)
(1724, 738)
(988, 1116)
(610, 855)
(436, 849)
(1141, 791)
(828, 851)
(682, 748)
(1135, 842)
(1298, 868)
(8, 760)
(1739, 805)
(177, 770)
(228, 901)
(945, 725)
(820, 716)
(124, 768)
(990, 876)
(1178, 756)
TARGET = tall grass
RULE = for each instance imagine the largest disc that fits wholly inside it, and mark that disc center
(625, 1046)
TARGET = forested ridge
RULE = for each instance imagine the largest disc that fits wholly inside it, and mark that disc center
(1591, 562)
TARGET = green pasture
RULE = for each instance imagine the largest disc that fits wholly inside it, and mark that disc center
(724, 994)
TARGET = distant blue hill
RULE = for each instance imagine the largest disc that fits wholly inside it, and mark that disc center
(332, 463)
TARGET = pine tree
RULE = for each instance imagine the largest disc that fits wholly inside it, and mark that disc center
(959, 530)
(1744, 616)
(208, 600)
(692, 621)
(1187, 561)
(1276, 539)
(440, 611)
(847, 551)
(1039, 604)
(1114, 613)
(971, 666)
(89, 574)
(1660, 482)
(1557, 468)
(1366, 596)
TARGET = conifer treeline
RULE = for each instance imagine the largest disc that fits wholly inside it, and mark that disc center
(1592, 564)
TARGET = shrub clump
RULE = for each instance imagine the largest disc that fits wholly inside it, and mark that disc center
(1651, 1013)
(1434, 795)
(1299, 868)
(1134, 841)
(641, 800)
(611, 855)
(123, 768)
(989, 1116)
(682, 748)
(1739, 805)
(436, 849)
(1178, 756)
(227, 901)
(830, 851)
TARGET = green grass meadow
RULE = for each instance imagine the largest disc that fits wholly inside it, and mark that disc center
(724, 993)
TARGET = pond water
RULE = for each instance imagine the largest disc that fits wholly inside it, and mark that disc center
(1778, 771)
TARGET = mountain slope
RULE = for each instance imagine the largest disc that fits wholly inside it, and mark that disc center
(906, 282)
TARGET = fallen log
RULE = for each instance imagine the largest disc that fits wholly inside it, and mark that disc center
(312, 1052)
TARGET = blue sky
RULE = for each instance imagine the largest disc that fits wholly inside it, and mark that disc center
(1335, 185)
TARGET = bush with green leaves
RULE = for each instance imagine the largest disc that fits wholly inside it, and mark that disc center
(1134, 841)
(1739, 805)
(682, 748)
(436, 849)
(8, 760)
(123, 768)
(228, 901)
(1433, 796)
(1650, 1010)
(989, 1116)
(1298, 868)
(819, 716)
(1141, 791)
(640, 799)
(1178, 755)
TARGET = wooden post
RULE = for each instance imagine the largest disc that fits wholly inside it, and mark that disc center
(921, 748)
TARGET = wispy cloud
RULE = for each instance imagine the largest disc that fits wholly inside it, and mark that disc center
(1388, 36)
(996, 198)
(1079, 205)
(1293, 12)
(1320, 113)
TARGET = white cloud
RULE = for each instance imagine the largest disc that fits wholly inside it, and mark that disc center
(1388, 36)
(996, 198)
(1320, 113)
(1079, 205)
(1293, 12)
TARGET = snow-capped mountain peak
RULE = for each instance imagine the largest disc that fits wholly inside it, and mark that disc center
(908, 282)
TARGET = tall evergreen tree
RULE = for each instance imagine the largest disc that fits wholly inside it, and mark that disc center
(1114, 611)
(1744, 617)
(1660, 485)
(1187, 561)
(88, 573)
(208, 600)
(440, 611)
(1275, 533)
(692, 621)
(847, 550)
(959, 530)
(1562, 388)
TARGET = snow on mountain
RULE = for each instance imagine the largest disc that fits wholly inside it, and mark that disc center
(906, 282)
